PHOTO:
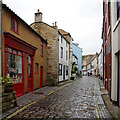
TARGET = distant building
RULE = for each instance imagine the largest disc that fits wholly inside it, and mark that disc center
(77, 51)
(57, 50)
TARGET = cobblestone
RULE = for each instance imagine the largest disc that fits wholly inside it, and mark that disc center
(80, 99)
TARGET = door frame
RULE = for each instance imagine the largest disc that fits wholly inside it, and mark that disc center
(32, 71)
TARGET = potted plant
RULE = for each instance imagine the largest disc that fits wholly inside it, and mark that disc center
(7, 85)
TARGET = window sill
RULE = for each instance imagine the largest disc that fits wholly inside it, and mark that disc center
(14, 31)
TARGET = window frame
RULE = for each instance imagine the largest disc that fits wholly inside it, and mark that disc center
(15, 22)
(66, 70)
(61, 52)
(41, 49)
(66, 55)
(36, 68)
(60, 69)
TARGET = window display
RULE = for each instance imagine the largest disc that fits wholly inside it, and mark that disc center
(14, 65)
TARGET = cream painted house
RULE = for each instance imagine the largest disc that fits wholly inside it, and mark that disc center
(115, 27)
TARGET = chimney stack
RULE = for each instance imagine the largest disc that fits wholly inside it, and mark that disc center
(38, 16)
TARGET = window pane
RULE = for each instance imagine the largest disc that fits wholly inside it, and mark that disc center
(14, 51)
(16, 25)
(19, 53)
(9, 49)
(14, 67)
(12, 23)
(36, 67)
(29, 71)
(29, 59)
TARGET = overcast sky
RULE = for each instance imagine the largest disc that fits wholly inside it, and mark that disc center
(81, 18)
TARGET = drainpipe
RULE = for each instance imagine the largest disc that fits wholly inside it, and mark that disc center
(58, 58)
(1, 73)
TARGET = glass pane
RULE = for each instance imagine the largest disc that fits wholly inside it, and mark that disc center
(14, 51)
(12, 23)
(29, 59)
(19, 53)
(16, 26)
(29, 71)
(9, 49)
(14, 67)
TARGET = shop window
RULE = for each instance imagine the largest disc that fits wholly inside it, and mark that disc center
(36, 68)
(14, 65)
(41, 48)
(60, 69)
(66, 70)
(14, 24)
(61, 52)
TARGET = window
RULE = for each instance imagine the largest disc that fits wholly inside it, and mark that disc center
(41, 48)
(36, 68)
(14, 24)
(118, 9)
(61, 52)
(66, 55)
(14, 65)
(60, 69)
(66, 43)
(61, 40)
(66, 70)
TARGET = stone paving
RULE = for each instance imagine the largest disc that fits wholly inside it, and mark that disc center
(78, 99)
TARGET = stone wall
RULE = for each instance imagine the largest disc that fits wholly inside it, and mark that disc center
(8, 101)
(51, 35)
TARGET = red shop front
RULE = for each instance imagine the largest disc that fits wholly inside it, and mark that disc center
(15, 49)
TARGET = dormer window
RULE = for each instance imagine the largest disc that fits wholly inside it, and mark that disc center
(14, 24)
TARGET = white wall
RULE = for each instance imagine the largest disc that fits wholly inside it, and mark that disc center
(115, 28)
(63, 60)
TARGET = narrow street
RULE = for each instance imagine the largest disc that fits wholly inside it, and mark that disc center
(78, 99)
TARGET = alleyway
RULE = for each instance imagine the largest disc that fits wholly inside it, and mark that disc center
(78, 99)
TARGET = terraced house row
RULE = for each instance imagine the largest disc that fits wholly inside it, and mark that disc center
(34, 55)
(111, 49)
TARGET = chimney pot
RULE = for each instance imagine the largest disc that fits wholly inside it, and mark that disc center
(38, 10)
(55, 24)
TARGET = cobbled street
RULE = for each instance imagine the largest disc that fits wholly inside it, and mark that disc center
(78, 99)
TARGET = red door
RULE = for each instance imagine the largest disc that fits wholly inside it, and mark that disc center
(29, 74)
(41, 76)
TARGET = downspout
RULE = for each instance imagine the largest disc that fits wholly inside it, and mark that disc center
(1, 70)
(58, 58)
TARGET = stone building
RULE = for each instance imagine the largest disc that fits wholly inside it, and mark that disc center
(24, 53)
(53, 37)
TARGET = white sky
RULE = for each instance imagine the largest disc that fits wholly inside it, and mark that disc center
(81, 18)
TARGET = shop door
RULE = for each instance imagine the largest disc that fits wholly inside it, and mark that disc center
(41, 76)
(29, 74)
(64, 72)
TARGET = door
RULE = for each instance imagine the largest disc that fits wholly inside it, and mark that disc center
(64, 72)
(41, 76)
(29, 74)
